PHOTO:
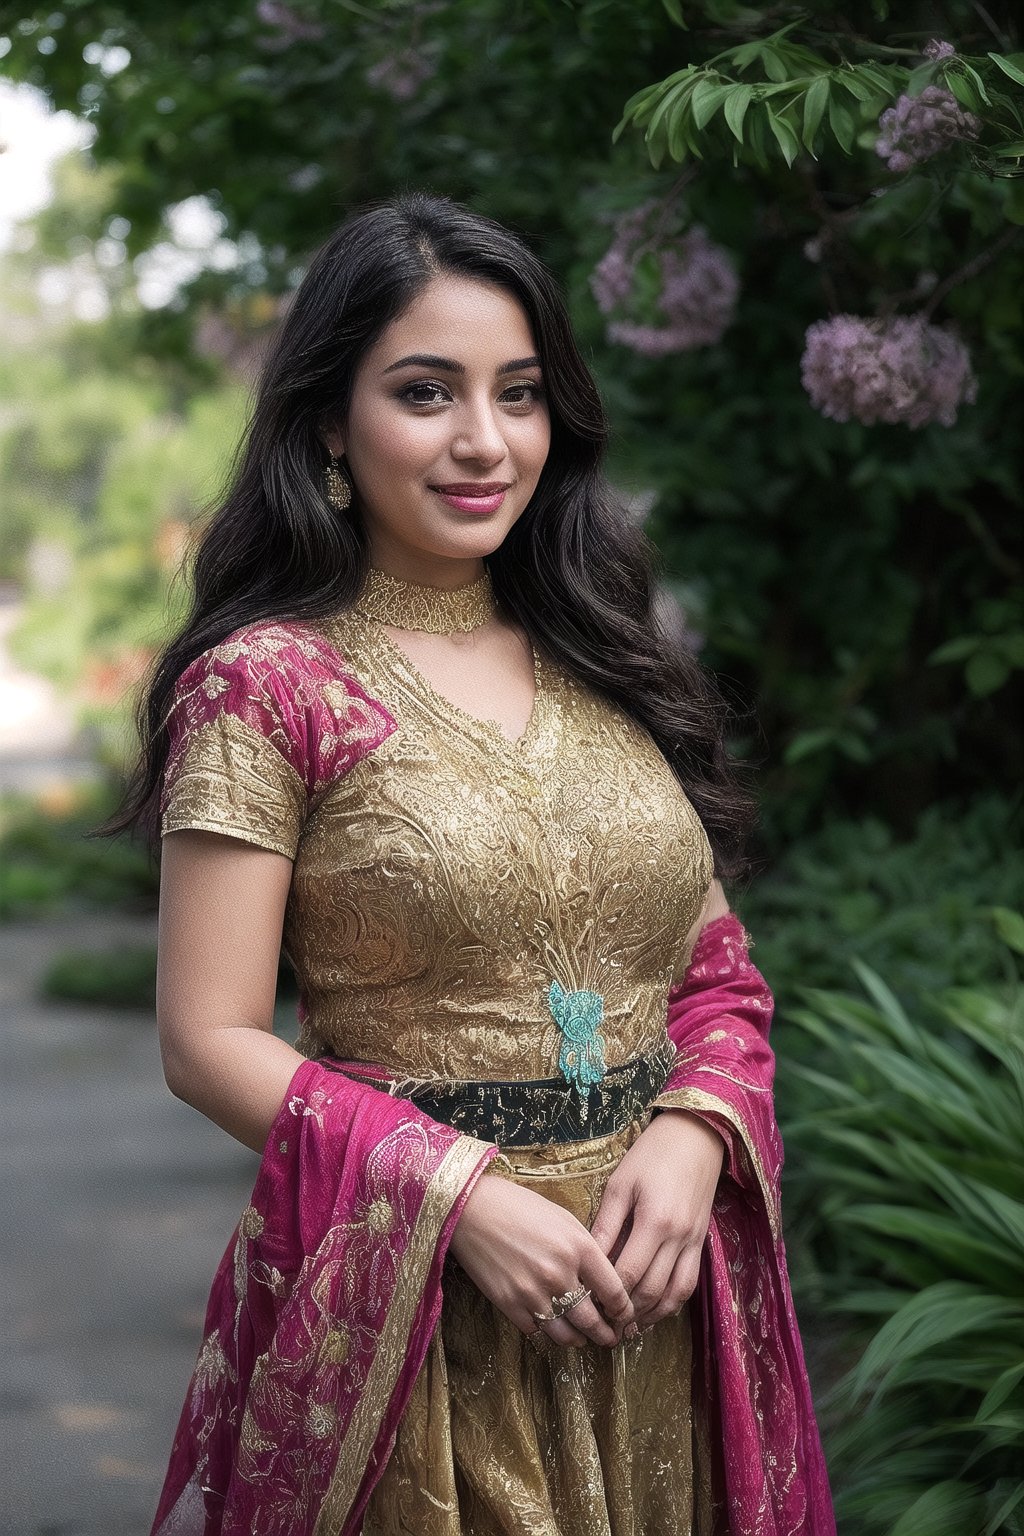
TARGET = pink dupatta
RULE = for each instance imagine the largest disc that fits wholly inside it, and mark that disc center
(320, 1315)
(749, 1364)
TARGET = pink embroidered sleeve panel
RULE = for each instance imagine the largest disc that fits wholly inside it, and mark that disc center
(261, 726)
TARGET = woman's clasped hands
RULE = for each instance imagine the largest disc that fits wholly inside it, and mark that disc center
(639, 1261)
(654, 1213)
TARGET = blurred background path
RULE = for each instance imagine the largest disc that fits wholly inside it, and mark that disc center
(116, 1204)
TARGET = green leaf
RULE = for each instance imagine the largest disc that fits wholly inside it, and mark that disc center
(863, 90)
(946, 1509)
(774, 65)
(708, 96)
(943, 1236)
(842, 123)
(876, 76)
(964, 92)
(999, 1391)
(944, 1311)
(888, 1005)
(674, 94)
(1009, 926)
(985, 672)
(675, 13)
(955, 650)
(746, 53)
(978, 81)
(678, 136)
(736, 106)
(815, 102)
(1012, 70)
(784, 135)
(1005, 1510)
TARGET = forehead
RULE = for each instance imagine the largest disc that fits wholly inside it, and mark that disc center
(470, 321)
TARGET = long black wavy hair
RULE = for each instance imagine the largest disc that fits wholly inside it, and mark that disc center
(574, 570)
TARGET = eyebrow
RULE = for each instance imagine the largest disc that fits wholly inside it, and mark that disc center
(447, 365)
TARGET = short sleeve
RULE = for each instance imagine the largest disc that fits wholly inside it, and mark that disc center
(259, 726)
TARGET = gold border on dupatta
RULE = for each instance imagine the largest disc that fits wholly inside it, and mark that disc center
(696, 1099)
(446, 1184)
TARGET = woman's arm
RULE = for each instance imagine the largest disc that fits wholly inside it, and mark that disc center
(222, 904)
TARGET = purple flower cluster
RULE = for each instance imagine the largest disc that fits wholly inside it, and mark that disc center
(937, 49)
(289, 25)
(698, 293)
(918, 127)
(401, 74)
(895, 370)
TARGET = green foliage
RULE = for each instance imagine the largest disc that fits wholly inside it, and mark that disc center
(49, 868)
(905, 1156)
(862, 585)
(103, 476)
(927, 912)
(801, 97)
(120, 978)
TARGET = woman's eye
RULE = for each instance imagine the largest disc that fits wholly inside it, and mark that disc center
(523, 394)
(424, 393)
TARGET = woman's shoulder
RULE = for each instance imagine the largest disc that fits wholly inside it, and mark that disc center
(263, 647)
(283, 680)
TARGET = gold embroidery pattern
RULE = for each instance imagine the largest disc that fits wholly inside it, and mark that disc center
(231, 780)
(339, 1384)
(443, 883)
(259, 727)
(354, 1451)
(506, 1432)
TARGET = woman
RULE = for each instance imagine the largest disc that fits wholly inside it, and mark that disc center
(512, 1260)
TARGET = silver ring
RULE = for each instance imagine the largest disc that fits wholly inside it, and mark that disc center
(562, 1304)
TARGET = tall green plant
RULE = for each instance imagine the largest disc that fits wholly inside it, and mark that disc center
(908, 1161)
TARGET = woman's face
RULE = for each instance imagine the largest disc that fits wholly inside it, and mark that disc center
(447, 431)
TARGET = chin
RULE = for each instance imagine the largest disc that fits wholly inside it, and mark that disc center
(470, 543)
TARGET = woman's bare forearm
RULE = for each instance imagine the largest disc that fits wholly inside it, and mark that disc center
(236, 1075)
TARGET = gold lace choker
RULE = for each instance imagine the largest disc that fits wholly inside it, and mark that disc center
(409, 605)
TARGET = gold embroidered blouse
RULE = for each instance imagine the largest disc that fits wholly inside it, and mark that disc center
(444, 876)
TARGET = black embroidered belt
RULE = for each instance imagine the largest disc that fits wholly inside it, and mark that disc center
(529, 1113)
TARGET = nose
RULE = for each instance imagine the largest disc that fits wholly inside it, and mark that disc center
(479, 436)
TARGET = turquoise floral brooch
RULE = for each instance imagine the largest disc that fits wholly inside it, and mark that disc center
(579, 1016)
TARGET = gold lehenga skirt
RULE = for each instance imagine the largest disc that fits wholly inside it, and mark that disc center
(506, 1436)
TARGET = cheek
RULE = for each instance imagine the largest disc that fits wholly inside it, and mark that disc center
(390, 442)
(535, 442)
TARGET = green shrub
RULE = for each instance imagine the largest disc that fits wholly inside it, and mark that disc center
(906, 1177)
(919, 911)
(119, 978)
(48, 866)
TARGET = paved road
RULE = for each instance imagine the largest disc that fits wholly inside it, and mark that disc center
(116, 1204)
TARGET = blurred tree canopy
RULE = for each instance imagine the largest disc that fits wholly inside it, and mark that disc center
(860, 578)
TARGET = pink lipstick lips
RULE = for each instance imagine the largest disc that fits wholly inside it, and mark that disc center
(473, 496)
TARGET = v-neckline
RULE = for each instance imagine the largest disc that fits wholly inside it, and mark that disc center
(489, 730)
(379, 648)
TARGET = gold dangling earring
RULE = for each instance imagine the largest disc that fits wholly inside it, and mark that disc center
(337, 485)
